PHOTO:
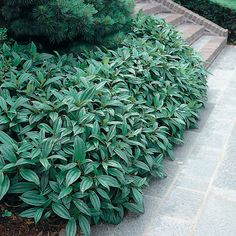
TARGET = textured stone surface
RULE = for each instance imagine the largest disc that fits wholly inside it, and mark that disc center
(191, 32)
(227, 60)
(226, 176)
(182, 204)
(169, 226)
(218, 218)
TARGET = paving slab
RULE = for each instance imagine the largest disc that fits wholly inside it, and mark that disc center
(218, 218)
(226, 175)
(181, 203)
(166, 224)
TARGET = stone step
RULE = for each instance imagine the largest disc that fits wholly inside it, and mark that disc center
(191, 32)
(149, 8)
(209, 47)
(172, 18)
(205, 36)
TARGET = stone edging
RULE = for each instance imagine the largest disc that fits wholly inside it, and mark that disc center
(214, 28)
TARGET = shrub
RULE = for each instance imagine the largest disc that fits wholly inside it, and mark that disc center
(62, 20)
(223, 16)
(81, 137)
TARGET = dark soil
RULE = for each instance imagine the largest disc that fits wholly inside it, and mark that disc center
(17, 226)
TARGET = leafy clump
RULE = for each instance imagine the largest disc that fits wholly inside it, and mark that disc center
(81, 137)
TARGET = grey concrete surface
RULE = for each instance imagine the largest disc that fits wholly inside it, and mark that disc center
(198, 198)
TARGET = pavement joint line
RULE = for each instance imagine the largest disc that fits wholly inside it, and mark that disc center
(202, 207)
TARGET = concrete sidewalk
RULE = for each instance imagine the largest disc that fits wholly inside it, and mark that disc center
(198, 197)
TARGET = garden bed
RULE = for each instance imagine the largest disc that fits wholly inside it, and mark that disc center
(82, 135)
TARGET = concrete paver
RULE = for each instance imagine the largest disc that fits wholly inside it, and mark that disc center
(218, 217)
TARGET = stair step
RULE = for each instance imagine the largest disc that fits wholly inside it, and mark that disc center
(172, 18)
(209, 47)
(191, 32)
(148, 8)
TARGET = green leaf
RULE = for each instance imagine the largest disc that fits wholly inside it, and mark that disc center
(79, 150)
(29, 175)
(142, 165)
(114, 164)
(21, 187)
(72, 175)
(47, 147)
(3, 104)
(33, 49)
(65, 191)
(122, 155)
(33, 198)
(71, 227)
(52, 80)
(6, 139)
(95, 200)
(45, 163)
(61, 211)
(84, 225)
(112, 133)
(8, 167)
(108, 181)
(88, 94)
(138, 197)
(27, 65)
(4, 187)
(1, 178)
(59, 157)
(85, 184)
(171, 154)
(38, 215)
(103, 194)
(8, 153)
(6, 214)
(29, 213)
(19, 102)
(82, 206)
(136, 208)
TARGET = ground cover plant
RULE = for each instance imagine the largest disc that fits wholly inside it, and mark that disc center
(220, 12)
(58, 21)
(80, 136)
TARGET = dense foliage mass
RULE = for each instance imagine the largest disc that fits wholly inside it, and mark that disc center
(219, 14)
(81, 137)
(62, 20)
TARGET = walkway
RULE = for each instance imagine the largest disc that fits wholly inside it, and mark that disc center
(198, 198)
